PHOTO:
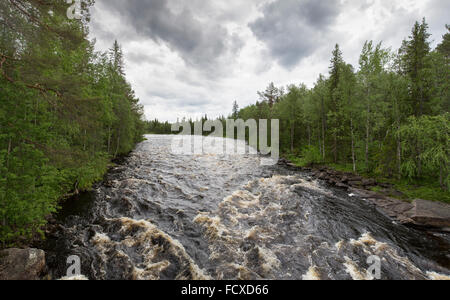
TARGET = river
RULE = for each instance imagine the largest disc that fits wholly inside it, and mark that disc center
(164, 216)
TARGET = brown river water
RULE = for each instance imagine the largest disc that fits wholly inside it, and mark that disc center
(164, 216)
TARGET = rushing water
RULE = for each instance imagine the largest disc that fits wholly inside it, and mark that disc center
(166, 216)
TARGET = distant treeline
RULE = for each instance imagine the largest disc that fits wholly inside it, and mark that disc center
(65, 112)
(390, 117)
(157, 127)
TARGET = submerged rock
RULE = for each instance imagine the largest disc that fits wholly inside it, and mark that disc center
(21, 264)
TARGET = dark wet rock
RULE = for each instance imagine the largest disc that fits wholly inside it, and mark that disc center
(353, 178)
(283, 161)
(420, 214)
(368, 182)
(341, 185)
(364, 193)
(385, 185)
(323, 176)
(355, 183)
(21, 264)
(51, 220)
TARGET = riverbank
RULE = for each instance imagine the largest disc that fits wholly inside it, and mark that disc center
(423, 214)
(403, 189)
(25, 259)
(179, 213)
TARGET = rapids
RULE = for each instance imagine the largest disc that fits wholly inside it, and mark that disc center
(165, 216)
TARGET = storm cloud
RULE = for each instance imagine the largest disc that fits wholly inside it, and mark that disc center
(200, 43)
(190, 58)
(294, 29)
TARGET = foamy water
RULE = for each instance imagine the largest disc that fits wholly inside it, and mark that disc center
(167, 216)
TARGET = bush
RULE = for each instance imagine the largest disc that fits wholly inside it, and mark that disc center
(310, 155)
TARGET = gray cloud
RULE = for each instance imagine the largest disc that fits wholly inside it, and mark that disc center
(188, 58)
(200, 43)
(437, 14)
(293, 29)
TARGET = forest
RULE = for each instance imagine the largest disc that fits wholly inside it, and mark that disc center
(388, 118)
(66, 111)
(157, 127)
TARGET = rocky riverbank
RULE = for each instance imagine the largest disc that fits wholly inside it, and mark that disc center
(30, 264)
(422, 214)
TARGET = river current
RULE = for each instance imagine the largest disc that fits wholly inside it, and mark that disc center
(160, 215)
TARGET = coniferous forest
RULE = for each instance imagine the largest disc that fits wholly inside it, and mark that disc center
(386, 118)
(65, 112)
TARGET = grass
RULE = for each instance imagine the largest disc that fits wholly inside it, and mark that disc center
(426, 189)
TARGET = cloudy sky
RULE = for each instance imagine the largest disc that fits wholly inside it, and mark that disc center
(196, 57)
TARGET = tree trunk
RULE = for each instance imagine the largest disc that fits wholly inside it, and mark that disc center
(353, 145)
(335, 148)
(84, 142)
(419, 161)
(367, 132)
(109, 140)
(117, 148)
(323, 138)
(323, 129)
(309, 134)
(292, 136)
(399, 158)
(9, 152)
(319, 140)
(35, 112)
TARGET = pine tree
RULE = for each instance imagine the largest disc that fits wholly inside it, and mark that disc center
(235, 113)
(271, 95)
(444, 46)
(334, 115)
(62, 103)
(416, 64)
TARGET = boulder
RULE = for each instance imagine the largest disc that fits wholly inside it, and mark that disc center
(291, 165)
(323, 176)
(21, 264)
(401, 208)
(355, 183)
(341, 185)
(368, 182)
(346, 178)
(432, 214)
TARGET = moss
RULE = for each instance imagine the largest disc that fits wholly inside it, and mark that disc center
(376, 189)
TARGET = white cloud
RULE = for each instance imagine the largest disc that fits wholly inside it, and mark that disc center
(190, 58)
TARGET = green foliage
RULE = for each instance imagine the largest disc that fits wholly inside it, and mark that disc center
(387, 119)
(310, 156)
(427, 189)
(156, 127)
(65, 111)
(426, 144)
